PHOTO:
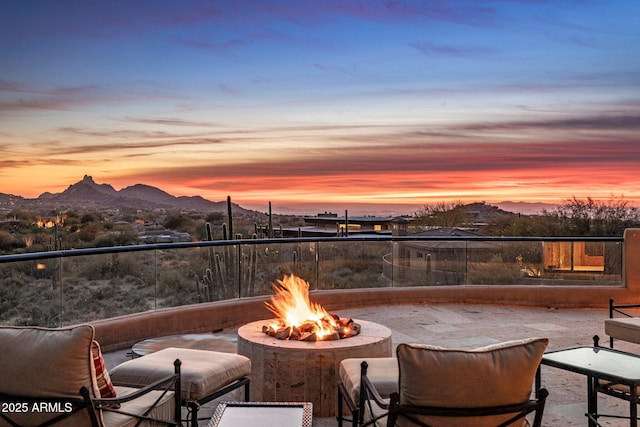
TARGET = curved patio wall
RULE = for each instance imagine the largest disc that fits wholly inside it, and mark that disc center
(122, 332)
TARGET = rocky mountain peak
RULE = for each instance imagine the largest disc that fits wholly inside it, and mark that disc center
(86, 193)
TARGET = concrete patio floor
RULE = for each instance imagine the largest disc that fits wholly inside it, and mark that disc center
(470, 326)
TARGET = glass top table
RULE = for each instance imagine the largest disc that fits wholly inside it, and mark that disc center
(265, 414)
(600, 363)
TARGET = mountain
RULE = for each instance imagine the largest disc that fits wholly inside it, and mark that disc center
(526, 208)
(87, 194)
(10, 199)
(482, 212)
(147, 192)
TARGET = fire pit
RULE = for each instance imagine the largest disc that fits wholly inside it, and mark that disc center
(294, 370)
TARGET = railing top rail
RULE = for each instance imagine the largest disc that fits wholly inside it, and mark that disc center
(245, 242)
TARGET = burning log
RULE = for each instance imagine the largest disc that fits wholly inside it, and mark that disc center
(348, 328)
(309, 331)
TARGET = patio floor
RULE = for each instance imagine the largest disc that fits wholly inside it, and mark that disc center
(470, 326)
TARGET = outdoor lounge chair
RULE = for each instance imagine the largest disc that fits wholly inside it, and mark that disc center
(382, 373)
(488, 386)
(614, 388)
(57, 377)
(623, 323)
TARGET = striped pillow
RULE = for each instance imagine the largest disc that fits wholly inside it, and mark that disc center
(102, 376)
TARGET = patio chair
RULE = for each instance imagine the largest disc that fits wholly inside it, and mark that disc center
(612, 388)
(57, 377)
(382, 373)
(485, 387)
(623, 323)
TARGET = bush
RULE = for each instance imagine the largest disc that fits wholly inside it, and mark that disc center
(493, 273)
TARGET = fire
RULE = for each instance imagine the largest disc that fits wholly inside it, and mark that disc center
(300, 319)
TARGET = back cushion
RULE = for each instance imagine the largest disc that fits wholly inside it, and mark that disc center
(41, 362)
(488, 376)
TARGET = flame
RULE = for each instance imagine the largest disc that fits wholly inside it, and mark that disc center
(292, 306)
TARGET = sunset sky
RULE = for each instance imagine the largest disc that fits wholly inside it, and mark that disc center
(323, 105)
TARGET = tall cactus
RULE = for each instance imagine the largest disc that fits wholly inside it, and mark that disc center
(270, 222)
(250, 267)
(213, 281)
(206, 283)
(230, 216)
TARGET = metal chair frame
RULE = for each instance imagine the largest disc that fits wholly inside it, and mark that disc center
(608, 388)
(194, 405)
(395, 409)
(167, 384)
(343, 397)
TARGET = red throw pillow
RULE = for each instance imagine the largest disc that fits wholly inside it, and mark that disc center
(105, 386)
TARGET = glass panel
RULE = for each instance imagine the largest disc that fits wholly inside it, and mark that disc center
(575, 262)
(206, 269)
(216, 272)
(108, 285)
(588, 256)
(429, 262)
(504, 263)
(30, 293)
(184, 277)
(557, 256)
(352, 264)
(264, 264)
(613, 260)
(75, 289)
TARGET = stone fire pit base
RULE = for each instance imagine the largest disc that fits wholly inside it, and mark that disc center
(301, 371)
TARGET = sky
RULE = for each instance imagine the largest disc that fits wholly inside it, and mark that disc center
(324, 105)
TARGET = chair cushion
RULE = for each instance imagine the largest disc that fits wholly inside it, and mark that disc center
(43, 362)
(623, 328)
(47, 363)
(105, 387)
(202, 372)
(382, 371)
(498, 374)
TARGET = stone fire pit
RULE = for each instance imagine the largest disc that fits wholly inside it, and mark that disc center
(305, 371)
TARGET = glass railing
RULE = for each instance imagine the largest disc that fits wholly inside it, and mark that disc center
(67, 287)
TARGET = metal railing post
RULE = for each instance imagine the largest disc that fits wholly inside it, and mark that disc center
(239, 269)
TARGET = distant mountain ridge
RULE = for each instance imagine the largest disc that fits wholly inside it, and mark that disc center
(87, 194)
(481, 211)
(526, 208)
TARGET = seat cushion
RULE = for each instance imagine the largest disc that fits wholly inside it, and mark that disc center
(499, 374)
(382, 371)
(623, 328)
(164, 410)
(203, 372)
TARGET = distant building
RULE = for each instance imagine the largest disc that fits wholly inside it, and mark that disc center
(445, 261)
(330, 224)
(163, 236)
(47, 222)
